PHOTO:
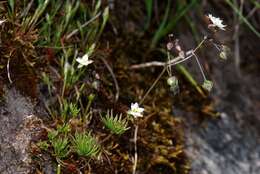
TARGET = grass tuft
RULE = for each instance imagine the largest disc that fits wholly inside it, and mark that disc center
(86, 145)
(116, 124)
(61, 147)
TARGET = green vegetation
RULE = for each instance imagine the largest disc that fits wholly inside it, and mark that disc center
(61, 147)
(66, 31)
(116, 124)
(243, 18)
(170, 18)
(63, 46)
(86, 145)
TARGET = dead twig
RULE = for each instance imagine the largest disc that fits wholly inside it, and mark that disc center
(8, 71)
(172, 62)
(147, 64)
(158, 63)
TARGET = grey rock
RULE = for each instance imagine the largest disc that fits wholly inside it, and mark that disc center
(230, 144)
(17, 126)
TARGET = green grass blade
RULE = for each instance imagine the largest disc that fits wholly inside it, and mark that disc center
(163, 30)
(11, 4)
(158, 33)
(149, 10)
(190, 79)
(238, 12)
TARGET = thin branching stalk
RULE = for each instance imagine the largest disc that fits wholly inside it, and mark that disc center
(135, 148)
(200, 67)
(171, 63)
(154, 83)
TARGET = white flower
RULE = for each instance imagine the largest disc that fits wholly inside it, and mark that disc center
(135, 110)
(83, 61)
(2, 21)
(216, 22)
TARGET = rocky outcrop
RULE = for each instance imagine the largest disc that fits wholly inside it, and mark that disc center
(17, 126)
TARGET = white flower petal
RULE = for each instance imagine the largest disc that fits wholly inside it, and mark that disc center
(135, 110)
(80, 66)
(85, 57)
(84, 61)
(134, 106)
(216, 22)
(2, 21)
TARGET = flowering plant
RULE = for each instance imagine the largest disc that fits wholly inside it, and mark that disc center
(84, 61)
(135, 110)
(216, 22)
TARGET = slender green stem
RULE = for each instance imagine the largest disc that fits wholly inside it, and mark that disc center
(200, 67)
(59, 169)
(135, 146)
(154, 83)
(200, 44)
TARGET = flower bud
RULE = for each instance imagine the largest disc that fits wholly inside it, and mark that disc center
(174, 84)
(207, 85)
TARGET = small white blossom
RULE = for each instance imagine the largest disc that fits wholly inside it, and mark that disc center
(2, 21)
(135, 110)
(84, 61)
(216, 22)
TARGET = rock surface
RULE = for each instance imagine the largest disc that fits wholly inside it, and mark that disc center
(230, 144)
(17, 126)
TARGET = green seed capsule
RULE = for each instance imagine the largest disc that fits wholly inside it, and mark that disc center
(207, 85)
(174, 84)
(172, 81)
